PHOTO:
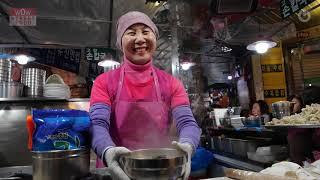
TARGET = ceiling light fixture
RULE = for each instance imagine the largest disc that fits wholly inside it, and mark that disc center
(23, 59)
(225, 49)
(261, 46)
(186, 66)
(108, 63)
(186, 63)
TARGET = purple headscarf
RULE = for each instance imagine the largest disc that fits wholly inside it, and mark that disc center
(131, 18)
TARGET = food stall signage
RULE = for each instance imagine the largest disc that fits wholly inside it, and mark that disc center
(289, 7)
(269, 68)
(94, 55)
(22, 17)
(274, 93)
(66, 59)
(98, 54)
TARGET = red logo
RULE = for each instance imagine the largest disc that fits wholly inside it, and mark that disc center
(23, 16)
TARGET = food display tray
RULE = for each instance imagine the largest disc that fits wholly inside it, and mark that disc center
(293, 126)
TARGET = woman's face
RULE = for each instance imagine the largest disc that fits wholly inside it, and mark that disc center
(256, 109)
(138, 43)
(296, 106)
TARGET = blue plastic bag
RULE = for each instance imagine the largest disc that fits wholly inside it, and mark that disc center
(60, 129)
(201, 159)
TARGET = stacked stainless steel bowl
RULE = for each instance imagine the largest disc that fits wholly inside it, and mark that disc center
(34, 80)
(8, 88)
(5, 70)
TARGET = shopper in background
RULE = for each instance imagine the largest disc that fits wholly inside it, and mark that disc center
(297, 104)
(303, 143)
(260, 108)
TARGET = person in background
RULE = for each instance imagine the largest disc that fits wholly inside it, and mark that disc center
(260, 108)
(297, 104)
(131, 107)
(304, 143)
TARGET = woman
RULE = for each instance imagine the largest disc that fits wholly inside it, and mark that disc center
(131, 107)
(304, 143)
(297, 104)
(260, 108)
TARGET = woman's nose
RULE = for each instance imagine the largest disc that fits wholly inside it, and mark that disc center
(140, 39)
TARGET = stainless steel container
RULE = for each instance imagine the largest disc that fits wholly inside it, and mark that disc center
(11, 89)
(240, 147)
(161, 164)
(5, 70)
(34, 80)
(281, 109)
(60, 164)
(226, 145)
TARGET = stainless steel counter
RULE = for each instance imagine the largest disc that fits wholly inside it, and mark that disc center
(14, 171)
(13, 132)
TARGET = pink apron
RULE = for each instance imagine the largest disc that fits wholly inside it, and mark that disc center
(139, 124)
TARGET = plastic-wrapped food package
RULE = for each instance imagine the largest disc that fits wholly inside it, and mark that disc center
(60, 129)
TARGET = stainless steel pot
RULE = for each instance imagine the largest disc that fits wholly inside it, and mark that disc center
(161, 164)
(60, 164)
(11, 89)
(281, 109)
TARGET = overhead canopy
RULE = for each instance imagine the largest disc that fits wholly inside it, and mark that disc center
(79, 23)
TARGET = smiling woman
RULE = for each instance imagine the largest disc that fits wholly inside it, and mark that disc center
(139, 43)
(131, 107)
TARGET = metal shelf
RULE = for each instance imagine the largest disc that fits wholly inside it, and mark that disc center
(42, 99)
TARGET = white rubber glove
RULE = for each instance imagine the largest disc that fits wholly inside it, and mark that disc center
(186, 147)
(111, 157)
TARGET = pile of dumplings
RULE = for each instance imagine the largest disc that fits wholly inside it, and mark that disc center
(309, 115)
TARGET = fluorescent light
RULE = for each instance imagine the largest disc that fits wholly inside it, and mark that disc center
(261, 46)
(108, 63)
(229, 77)
(23, 59)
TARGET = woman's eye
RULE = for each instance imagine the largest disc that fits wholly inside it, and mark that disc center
(131, 33)
(145, 32)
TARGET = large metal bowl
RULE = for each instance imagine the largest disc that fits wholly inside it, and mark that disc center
(161, 164)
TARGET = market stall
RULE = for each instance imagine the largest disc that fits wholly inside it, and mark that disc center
(239, 66)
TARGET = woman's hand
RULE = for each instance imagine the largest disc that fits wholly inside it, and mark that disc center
(111, 157)
(187, 148)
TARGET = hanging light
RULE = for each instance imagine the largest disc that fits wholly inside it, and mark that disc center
(186, 66)
(108, 63)
(261, 46)
(23, 59)
(186, 63)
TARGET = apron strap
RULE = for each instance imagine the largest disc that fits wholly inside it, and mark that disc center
(120, 84)
(156, 83)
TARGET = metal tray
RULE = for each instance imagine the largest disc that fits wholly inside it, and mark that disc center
(293, 126)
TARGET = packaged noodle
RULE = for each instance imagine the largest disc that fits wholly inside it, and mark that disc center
(60, 129)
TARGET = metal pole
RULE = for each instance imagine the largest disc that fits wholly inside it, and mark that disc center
(173, 7)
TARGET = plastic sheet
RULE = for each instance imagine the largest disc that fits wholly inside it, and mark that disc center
(60, 129)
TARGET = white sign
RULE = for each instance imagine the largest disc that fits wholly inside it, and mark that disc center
(22, 17)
